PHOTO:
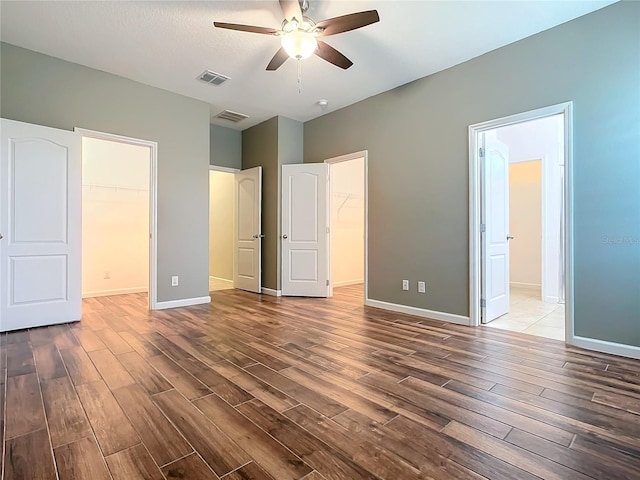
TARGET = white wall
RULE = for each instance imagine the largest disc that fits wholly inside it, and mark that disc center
(221, 185)
(544, 139)
(347, 222)
(115, 218)
(525, 223)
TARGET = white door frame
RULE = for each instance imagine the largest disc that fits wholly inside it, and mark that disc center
(153, 202)
(475, 204)
(345, 158)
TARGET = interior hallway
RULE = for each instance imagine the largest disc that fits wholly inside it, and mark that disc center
(529, 314)
(216, 284)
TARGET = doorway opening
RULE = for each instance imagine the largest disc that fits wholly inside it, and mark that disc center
(221, 221)
(118, 216)
(348, 223)
(520, 218)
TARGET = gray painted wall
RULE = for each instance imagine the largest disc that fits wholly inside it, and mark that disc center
(260, 148)
(271, 144)
(43, 90)
(417, 140)
(225, 147)
(290, 141)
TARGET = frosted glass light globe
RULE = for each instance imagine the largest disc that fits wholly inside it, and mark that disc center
(299, 44)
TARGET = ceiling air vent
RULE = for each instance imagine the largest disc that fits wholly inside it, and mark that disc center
(213, 78)
(231, 116)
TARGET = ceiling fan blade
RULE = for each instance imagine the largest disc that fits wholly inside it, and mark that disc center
(348, 22)
(331, 55)
(291, 9)
(278, 59)
(246, 28)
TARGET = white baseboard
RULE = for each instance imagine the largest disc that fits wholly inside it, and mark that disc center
(272, 292)
(525, 285)
(419, 312)
(117, 291)
(549, 299)
(220, 279)
(185, 302)
(605, 347)
(345, 283)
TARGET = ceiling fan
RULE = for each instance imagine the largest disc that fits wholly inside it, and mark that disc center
(299, 34)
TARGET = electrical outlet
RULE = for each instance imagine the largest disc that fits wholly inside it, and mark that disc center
(107, 275)
(174, 281)
(422, 288)
(405, 285)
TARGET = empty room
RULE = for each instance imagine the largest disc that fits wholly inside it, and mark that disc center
(319, 240)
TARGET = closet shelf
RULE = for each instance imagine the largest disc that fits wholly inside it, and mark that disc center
(114, 187)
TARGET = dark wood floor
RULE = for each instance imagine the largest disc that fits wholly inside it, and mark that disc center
(257, 387)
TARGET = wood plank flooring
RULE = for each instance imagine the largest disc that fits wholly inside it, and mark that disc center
(258, 387)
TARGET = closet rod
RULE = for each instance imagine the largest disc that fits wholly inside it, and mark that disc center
(95, 185)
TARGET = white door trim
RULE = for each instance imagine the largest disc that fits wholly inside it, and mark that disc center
(345, 158)
(474, 206)
(216, 168)
(153, 203)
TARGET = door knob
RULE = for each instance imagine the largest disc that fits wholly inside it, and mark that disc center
(510, 237)
(1, 236)
(258, 235)
(285, 236)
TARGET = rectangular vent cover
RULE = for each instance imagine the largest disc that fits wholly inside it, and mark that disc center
(231, 116)
(213, 78)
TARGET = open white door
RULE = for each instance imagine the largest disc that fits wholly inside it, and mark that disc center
(305, 245)
(247, 230)
(40, 220)
(495, 218)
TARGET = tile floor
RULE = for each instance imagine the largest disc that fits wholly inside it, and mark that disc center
(529, 314)
(216, 284)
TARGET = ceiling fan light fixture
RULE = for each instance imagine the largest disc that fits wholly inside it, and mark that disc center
(299, 44)
(298, 34)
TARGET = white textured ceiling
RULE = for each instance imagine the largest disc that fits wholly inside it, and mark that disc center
(168, 44)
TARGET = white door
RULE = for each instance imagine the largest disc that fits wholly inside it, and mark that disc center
(247, 230)
(305, 235)
(495, 217)
(40, 220)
